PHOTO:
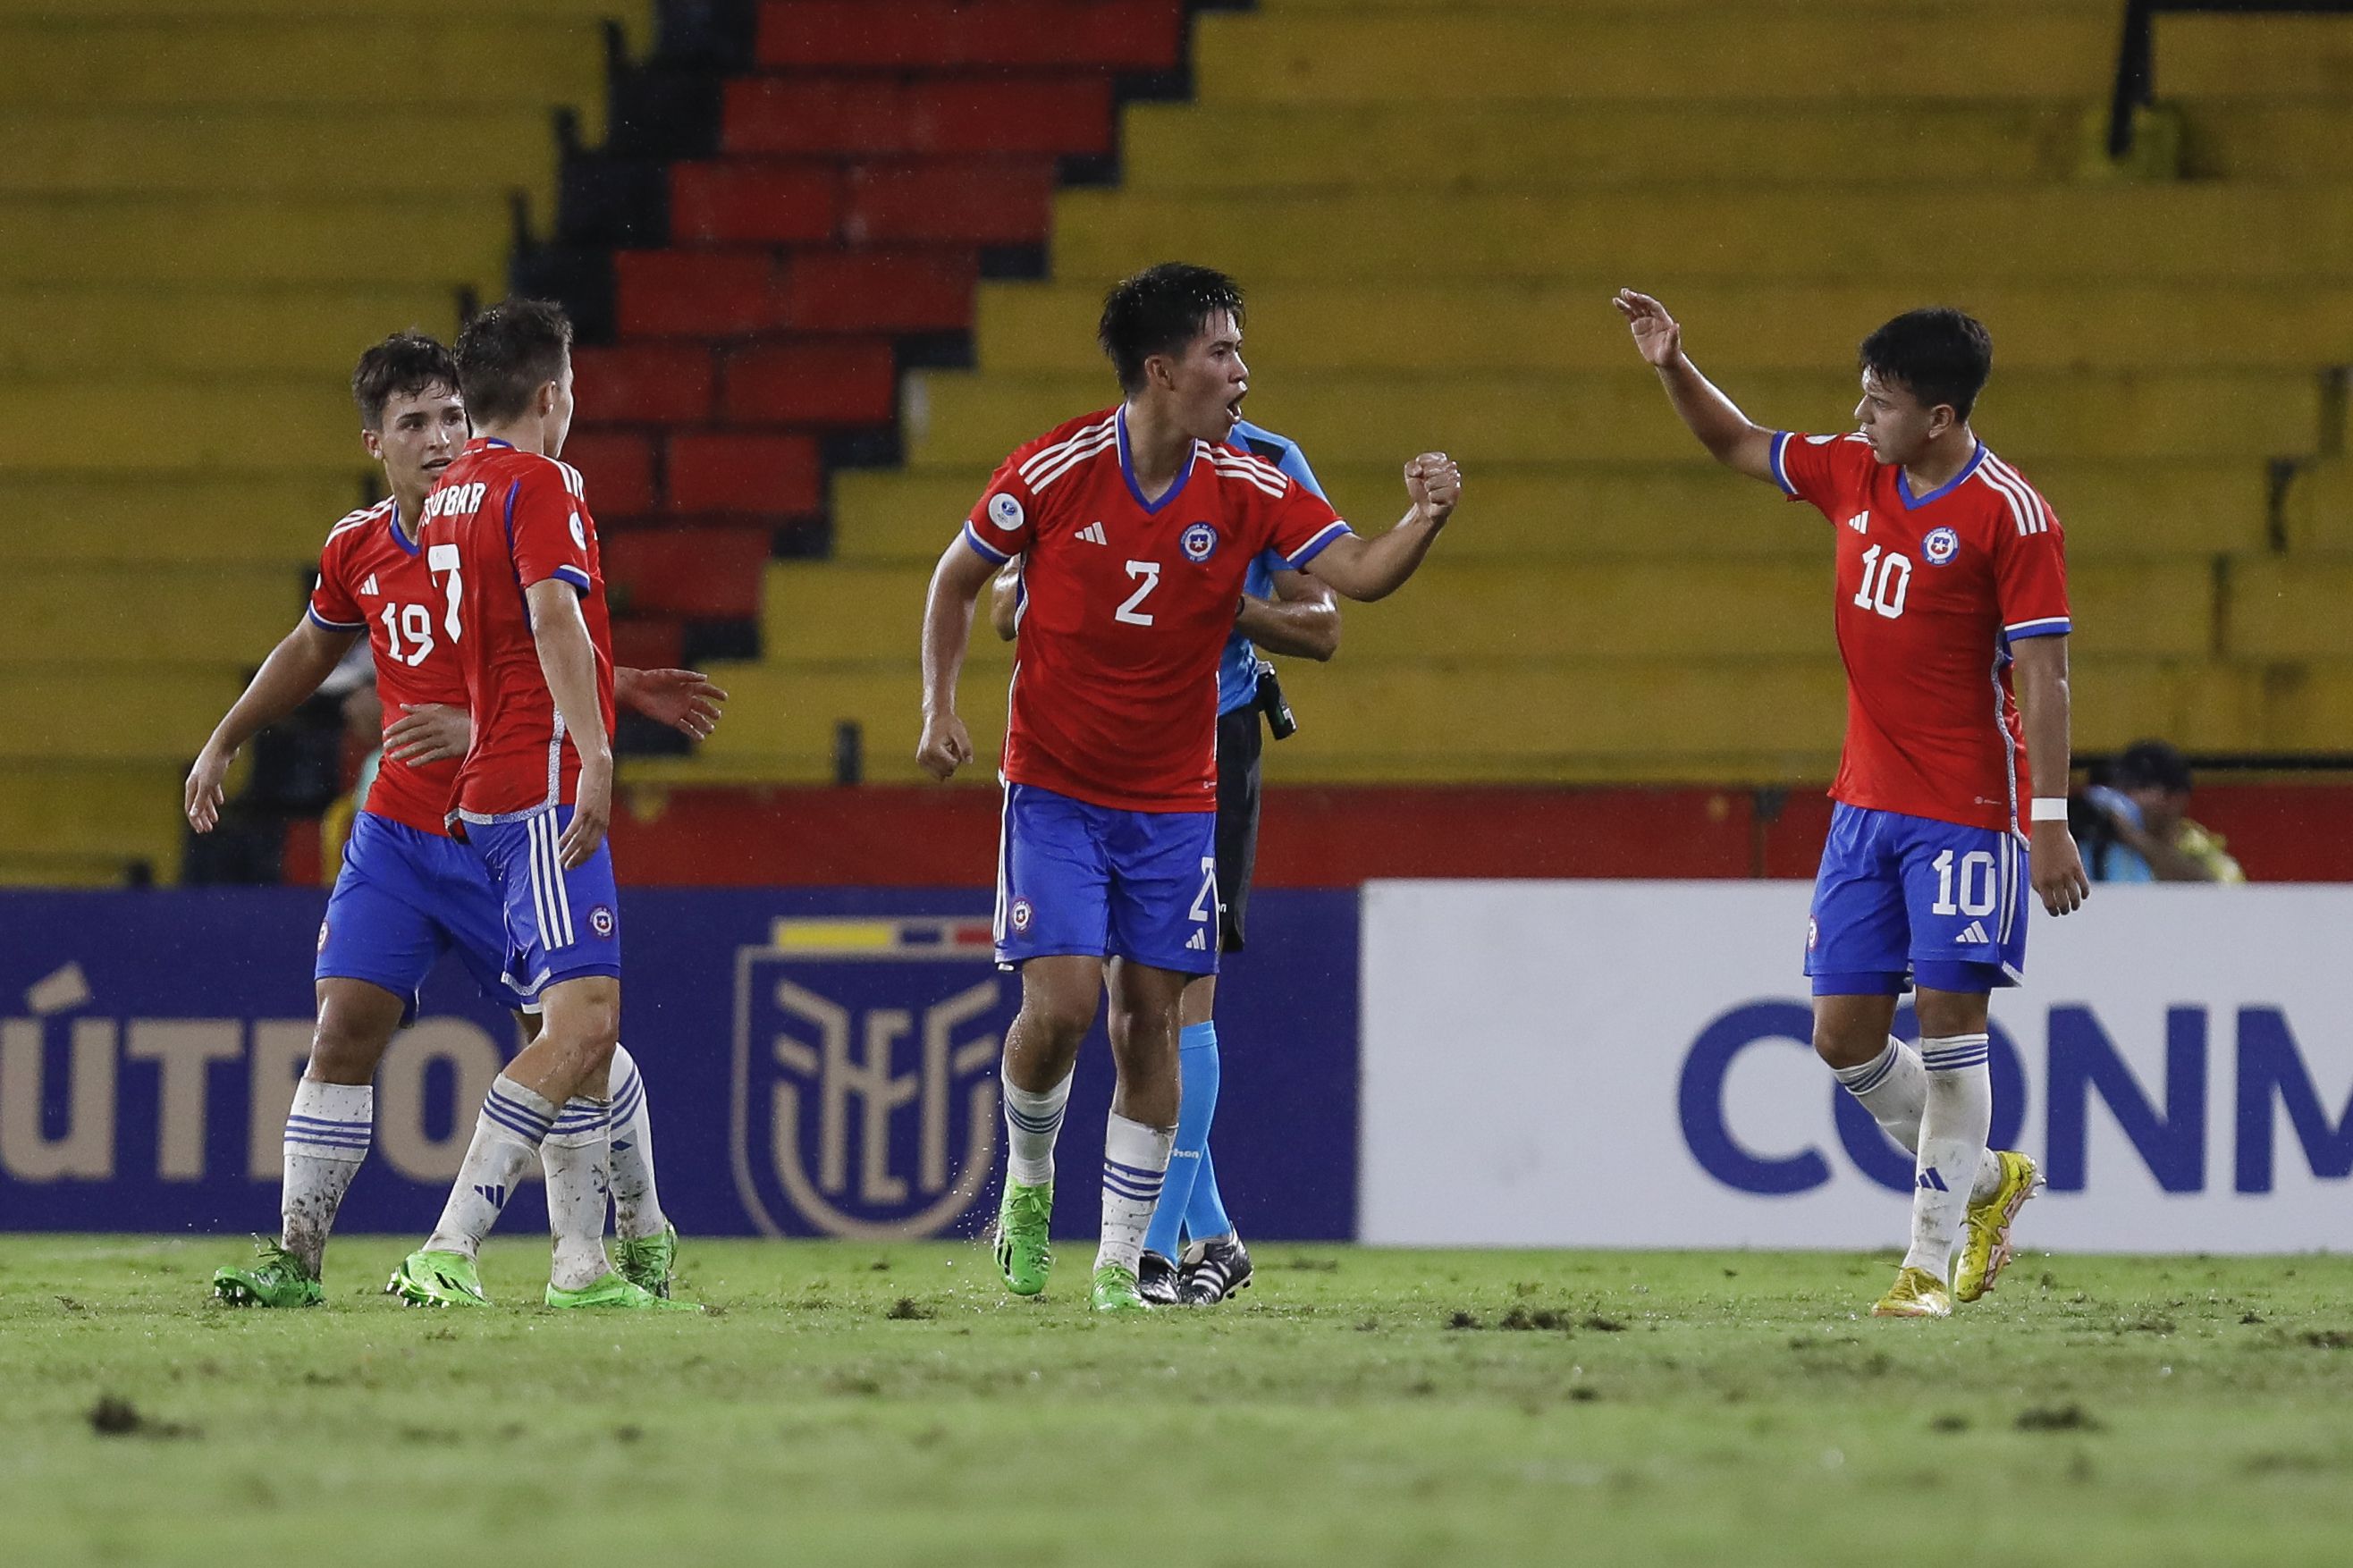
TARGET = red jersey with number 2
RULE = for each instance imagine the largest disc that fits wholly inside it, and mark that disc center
(1128, 605)
(1932, 590)
(372, 579)
(501, 521)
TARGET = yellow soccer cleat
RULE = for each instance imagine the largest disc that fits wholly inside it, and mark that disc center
(1915, 1294)
(1985, 1240)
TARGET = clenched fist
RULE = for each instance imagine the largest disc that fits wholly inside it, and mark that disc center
(1434, 484)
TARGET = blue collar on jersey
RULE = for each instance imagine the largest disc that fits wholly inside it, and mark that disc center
(1127, 472)
(1904, 482)
(392, 521)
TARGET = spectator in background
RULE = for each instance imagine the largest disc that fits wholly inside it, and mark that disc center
(2144, 837)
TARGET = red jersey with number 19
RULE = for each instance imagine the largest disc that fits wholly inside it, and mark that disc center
(372, 579)
(1932, 590)
(1128, 606)
(501, 521)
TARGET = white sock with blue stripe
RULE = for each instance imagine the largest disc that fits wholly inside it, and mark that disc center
(1894, 1087)
(1135, 1163)
(327, 1132)
(507, 1135)
(1954, 1122)
(579, 1184)
(637, 1206)
(1033, 1120)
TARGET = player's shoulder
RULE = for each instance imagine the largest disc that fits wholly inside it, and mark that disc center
(1043, 462)
(2005, 499)
(1243, 471)
(354, 528)
(1260, 442)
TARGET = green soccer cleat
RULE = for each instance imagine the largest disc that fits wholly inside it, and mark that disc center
(1023, 1252)
(437, 1279)
(275, 1278)
(1985, 1237)
(1115, 1290)
(613, 1293)
(649, 1262)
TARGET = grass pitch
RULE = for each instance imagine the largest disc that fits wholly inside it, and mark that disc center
(861, 1404)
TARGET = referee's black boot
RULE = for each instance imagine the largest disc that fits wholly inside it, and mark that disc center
(1156, 1279)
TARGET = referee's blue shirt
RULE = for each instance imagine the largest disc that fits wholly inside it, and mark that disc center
(1237, 665)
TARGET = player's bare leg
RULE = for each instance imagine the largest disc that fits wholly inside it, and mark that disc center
(1142, 1124)
(580, 1024)
(329, 1127)
(1057, 1008)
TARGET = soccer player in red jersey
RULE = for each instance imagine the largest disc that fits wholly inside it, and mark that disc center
(512, 556)
(1138, 524)
(1952, 616)
(406, 893)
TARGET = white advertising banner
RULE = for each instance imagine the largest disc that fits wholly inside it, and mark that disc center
(1628, 1063)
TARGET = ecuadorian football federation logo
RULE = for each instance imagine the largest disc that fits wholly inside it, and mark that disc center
(1941, 545)
(865, 1091)
(1005, 510)
(1198, 542)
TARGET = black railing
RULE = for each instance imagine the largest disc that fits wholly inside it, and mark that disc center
(2135, 85)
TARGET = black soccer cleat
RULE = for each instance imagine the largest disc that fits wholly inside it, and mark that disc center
(1156, 1279)
(1214, 1271)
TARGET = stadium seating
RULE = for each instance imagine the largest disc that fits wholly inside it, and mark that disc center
(211, 208)
(1430, 202)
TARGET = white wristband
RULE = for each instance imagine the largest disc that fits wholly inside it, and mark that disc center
(2049, 809)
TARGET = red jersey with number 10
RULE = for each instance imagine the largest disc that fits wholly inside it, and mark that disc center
(1128, 605)
(372, 579)
(501, 521)
(1932, 590)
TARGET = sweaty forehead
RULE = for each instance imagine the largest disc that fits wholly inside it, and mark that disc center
(1883, 387)
(432, 399)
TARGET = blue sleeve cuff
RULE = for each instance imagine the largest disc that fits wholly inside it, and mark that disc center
(1317, 546)
(2050, 626)
(574, 575)
(982, 549)
(1781, 470)
(318, 619)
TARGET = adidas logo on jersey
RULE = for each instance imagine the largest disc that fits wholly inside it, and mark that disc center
(1093, 534)
(1860, 522)
(1976, 933)
(1199, 942)
(369, 587)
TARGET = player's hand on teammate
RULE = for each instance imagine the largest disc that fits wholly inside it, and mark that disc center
(684, 700)
(427, 732)
(1656, 335)
(945, 746)
(592, 812)
(1434, 483)
(2056, 868)
(205, 792)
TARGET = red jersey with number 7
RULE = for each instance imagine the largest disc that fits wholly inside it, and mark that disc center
(501, 521)
(372, 579)
(1932, 591)
(1128, 605)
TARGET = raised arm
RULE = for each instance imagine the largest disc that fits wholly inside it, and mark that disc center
(1302, 621)
(568, 659)
(302, 659)
(1730, 437)
(2054, 864)
(1368, 569)
(956, 582)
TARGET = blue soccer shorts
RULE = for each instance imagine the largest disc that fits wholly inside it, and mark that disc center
(1090, 879)
(1905, 896)
(560, 924)
(404, 898)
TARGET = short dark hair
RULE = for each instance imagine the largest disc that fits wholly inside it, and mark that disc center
(1158, 311)
(403, 366)
(2153, 765)
(507, 354)
(1939, 354)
